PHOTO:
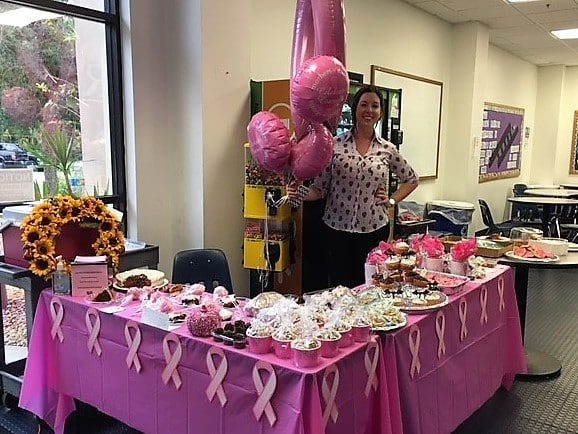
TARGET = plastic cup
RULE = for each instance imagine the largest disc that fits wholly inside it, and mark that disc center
(306, 358)
(282, 349)
(329, 348)
(259, 344)
(361, 333)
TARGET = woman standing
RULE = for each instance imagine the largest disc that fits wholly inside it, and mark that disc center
(355, 185)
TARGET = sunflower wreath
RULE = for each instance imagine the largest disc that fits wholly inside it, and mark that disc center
(43, 225)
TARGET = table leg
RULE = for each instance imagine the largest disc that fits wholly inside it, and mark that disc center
(540, 365)
(546, 212)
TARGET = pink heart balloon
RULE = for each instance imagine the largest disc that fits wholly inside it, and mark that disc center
(270, 143)
(319, 89)
(311, 155)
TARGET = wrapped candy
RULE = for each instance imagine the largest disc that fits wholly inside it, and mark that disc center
(220, 291)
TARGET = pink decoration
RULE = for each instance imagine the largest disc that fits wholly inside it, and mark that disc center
(93, 328)
(377, 256)
(319, 89)
(440, 332)
(217, 375)
(432, 246)
(484, 305)
(197, 289)
(463, 311)
(414, 337)
(264, 392)
(259, 345)
(202, 322)
(172, 360)
(220, 291)
(371, 367)
(329, 394)
(463, 250)
(303, 35)
(57, 317)
(361, 333)
(270, 143)
(312, 154)
(329, 348)
(305, 358)
(133, 343)
(501, 293)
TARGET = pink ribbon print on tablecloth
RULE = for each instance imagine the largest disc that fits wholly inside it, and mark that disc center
(463, 310)
(264, 392)
(93, 328)
(371, 367)
(172, 360)
(57, 317)
(329, 393)
(484, 305)
(414, 350)
(217, 375)
(133, 343)
(440, 332)
(501, 293)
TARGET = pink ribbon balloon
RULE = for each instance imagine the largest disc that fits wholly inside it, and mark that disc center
(319, 30)
(270, 143)
(311, 155)
(319, 89)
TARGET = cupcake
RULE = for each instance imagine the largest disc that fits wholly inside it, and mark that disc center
(407, 264)
(392, 263)
(401, 248)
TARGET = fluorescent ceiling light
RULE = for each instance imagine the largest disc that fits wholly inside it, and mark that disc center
(522, 1)
(565, 33)
(21, 17)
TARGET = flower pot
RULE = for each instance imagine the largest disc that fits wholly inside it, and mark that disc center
(282, 349)
(361, 333)
(329, 347)
(458, 267)
(306, 358)
(259, 344)
(434, 264)
(346, 338)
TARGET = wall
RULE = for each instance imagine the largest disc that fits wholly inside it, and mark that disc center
(568, 106)
(187, 105)
(521, 91)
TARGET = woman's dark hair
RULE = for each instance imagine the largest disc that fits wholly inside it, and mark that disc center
(366, 88)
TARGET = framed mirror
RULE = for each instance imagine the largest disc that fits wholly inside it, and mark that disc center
(421, 111)
(574, 152)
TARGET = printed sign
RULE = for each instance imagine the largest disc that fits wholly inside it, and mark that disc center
(16, 185)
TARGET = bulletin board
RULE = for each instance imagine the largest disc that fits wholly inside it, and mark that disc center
(500, 154)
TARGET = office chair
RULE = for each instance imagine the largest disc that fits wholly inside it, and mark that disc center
(207, 266)
(492, 227)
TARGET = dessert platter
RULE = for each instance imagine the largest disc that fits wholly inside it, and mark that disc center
(104, 297)
(532, 254)
(139, 278)
(449, 283)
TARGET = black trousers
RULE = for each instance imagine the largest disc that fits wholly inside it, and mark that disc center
(346, 254)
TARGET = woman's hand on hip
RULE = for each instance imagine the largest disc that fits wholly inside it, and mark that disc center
(381, 196)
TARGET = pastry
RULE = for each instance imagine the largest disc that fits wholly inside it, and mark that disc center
(103, 296)
(202, 322)
(401, 248)
(140, 277)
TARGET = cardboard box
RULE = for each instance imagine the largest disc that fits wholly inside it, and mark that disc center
(73, 241)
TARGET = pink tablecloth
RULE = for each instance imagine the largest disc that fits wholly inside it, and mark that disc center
(432, 390)
(57, 372)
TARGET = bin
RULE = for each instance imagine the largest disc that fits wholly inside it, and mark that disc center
(450, 216)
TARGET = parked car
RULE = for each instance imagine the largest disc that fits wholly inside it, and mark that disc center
(13, 156)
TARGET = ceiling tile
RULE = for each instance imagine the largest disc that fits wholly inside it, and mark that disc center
(550, 17)
(505, 22)
(535, 40)
(544, 6)
(559, 25)
(443, 12)
(514, 31)
(460, 5)
(490, 12)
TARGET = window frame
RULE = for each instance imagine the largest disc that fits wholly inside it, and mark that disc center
(111, 20)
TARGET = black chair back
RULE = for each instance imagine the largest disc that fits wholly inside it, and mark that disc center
(519, 189)
(207, 266)
(487, 215)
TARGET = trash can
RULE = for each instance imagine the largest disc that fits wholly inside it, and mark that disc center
(450, 216)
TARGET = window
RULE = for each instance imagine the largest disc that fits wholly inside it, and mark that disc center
(61, 128)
